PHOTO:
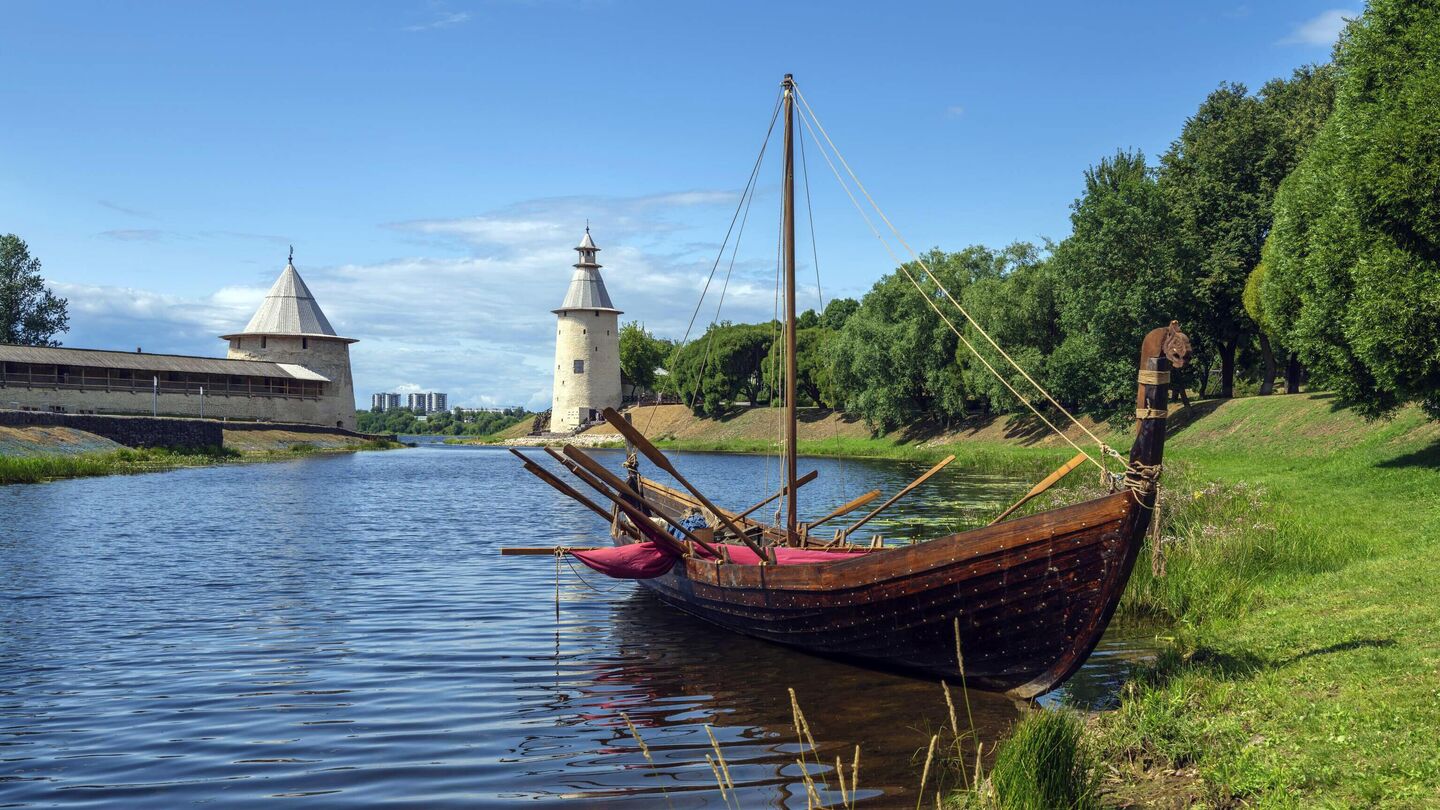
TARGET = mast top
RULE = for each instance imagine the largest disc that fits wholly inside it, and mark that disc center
(788, 82)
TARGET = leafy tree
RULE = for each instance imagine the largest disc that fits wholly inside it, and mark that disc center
(1354, 260)
(1018, 308)
(1220, 177)
(837, 312)
(30, 314)
(814, 379)
(1116, 277)
(722, 367)
(895, 361)
(641, 353)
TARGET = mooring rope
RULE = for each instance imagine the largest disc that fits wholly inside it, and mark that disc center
(1104, 448)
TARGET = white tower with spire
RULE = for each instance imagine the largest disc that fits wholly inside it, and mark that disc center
(290, 328)
(587, 347)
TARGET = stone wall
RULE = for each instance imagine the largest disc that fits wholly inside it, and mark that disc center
(149, 431)
(317, 411)
(594, 338)
(131, 431)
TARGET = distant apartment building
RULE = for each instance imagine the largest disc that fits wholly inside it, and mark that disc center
(421, 403)
(384, 401)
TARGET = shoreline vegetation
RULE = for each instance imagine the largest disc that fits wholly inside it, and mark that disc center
(34, 469)
(1302, 631)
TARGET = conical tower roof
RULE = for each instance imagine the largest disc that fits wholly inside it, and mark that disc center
(587, 288)
(289, 309)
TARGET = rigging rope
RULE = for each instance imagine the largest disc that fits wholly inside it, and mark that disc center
(820, 295)
(929, 299)
(810, 115)
(720, 254)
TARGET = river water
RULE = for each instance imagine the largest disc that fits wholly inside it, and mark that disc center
(341, 631)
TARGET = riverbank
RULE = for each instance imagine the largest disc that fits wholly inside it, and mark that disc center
(1300, 544)
(35, 454)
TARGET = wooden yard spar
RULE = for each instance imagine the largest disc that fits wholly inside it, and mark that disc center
(1029, 596)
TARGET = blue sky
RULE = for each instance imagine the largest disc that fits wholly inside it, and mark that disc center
(434, 162)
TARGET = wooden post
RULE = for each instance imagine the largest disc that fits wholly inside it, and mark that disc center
(791, 439)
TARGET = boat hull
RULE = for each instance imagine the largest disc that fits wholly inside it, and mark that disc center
(1031, 596)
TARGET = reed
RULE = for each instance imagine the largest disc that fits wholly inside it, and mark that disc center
(925, 774)
(645, 750)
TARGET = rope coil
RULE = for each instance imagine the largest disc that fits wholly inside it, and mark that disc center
(1149, 377)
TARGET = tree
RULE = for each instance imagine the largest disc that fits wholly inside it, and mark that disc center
(1220, 177)
(722, 367)
(1117, 276)
(641, 353)
(837, 312)
(814, 379)
(895, 361)
(1017, 306)
(1354, 259)
(30, 314)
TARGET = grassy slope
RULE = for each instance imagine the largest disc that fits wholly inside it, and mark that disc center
(1303, 551)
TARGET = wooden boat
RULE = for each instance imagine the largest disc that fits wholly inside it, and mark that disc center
(1024, 601)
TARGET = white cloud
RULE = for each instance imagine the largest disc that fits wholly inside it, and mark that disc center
(477, 325)
(133, 234)
(445, 20)
(1322, 29)
(954, 111)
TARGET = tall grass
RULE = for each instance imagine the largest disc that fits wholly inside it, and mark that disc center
(1044, 765)
(33, 469)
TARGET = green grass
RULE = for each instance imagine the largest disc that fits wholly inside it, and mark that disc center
(35, 469)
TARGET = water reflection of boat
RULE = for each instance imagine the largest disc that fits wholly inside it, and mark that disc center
(1027, 599)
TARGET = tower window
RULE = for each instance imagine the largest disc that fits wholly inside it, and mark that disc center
(262, 342)
(579, 366)
(584, 331)
(304, 343)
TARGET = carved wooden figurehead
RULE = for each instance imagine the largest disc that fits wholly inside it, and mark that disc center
(1163, 349)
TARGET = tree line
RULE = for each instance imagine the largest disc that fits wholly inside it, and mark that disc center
(456, 422)
(1294, 232)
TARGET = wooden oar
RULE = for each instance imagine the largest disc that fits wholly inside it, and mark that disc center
(639, 519)
(910, 487)
(659, 460)
(597, 469)
(848, 508)
(564, 488)
(539, 551)
(1050, 481)
(799, 482)
(643, 528)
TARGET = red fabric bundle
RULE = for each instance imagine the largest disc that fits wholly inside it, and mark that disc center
(632, 561)
(647, 560)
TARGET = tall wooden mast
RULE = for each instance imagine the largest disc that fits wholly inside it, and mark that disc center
(791, 511)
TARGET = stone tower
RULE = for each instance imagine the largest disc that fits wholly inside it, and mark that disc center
(290, 328)
(587, 347)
